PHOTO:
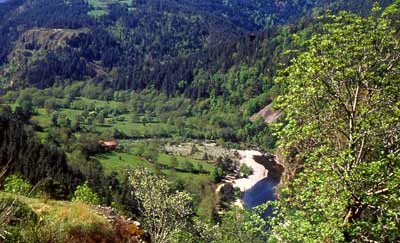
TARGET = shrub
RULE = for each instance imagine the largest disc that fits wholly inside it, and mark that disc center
(15, 212)
(85, 194)
(164, 211)
(17, 185)
(217, 174)
(245, 170)
(188, 166)
(35, 232)
(194, 149)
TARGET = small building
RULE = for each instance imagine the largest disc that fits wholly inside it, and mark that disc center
(110, 145)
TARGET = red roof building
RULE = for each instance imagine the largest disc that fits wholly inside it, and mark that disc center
(112, 144)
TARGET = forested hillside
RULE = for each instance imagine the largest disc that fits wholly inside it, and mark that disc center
(160, 44)
(114, 112)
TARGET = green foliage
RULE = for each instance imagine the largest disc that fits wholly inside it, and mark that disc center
(16, 184)
(35, 232)
(15, 212)
(164, 210)
(174, 162)
(245, 170)
(85, 194)
(23, 154)
(341, 106)
(148, 151)
(217, 174)
(188, 87)
(244, 226)
(236, 226)
(187, 166)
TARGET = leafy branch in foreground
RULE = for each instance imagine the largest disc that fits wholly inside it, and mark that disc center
(237, 225)
(342, 123)
(164, 211)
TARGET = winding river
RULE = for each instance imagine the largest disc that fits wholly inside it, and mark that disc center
(262, 192)
(259, 187)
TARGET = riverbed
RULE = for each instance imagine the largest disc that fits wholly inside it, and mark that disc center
(259, 187)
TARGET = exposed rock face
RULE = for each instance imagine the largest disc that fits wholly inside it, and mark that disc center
(268, 114)
(127, 229)
(48, 39)
(33, 45)
(35, 40)
(275, 169)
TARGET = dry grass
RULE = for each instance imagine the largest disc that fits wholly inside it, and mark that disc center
(64, 221)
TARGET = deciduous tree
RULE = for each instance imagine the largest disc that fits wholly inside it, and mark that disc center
(342, 123)
(164, 211)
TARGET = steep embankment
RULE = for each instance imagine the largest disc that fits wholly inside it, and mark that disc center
(64, 221)
(268, 114)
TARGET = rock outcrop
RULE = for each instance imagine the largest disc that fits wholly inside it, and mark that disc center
(127, 229)
(268, 114)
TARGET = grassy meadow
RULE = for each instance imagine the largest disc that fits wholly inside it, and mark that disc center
(142, 132)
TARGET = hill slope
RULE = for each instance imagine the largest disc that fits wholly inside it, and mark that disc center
(134, 45)
(40, 220)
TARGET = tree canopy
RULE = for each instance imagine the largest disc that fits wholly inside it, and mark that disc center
(341, 134)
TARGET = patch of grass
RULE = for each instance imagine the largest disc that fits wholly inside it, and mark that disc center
(13, 105)
(136, 129)
(93, 102)
(151, 128)
(119, 162)
(62, 221)
(97, 13)
(100, 6)
(44, 119)
(199, 185)
(166, 158)
(64, 212)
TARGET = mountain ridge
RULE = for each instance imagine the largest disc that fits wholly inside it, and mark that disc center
(137, 43)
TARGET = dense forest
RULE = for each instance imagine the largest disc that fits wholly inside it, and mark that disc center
(137, 110)
(146, 44)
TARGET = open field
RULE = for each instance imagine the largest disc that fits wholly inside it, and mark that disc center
(182, 171)
(122, 161)
(141, 138)
(142, 127)
(100, 6)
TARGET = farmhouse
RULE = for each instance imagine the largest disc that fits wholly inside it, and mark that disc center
(111, 145)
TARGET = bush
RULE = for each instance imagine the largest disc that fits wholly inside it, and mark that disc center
(14, 212)
(245, 171)
(188, 166)
(35, 232)
(164, 210)
(85, 194)
(151, 152)
(217, 174)
(17, 185)
(227, 195)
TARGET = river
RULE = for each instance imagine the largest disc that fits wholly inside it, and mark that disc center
(262, 192)
(259, 187)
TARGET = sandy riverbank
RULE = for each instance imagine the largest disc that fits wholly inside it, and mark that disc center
(259, 171)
